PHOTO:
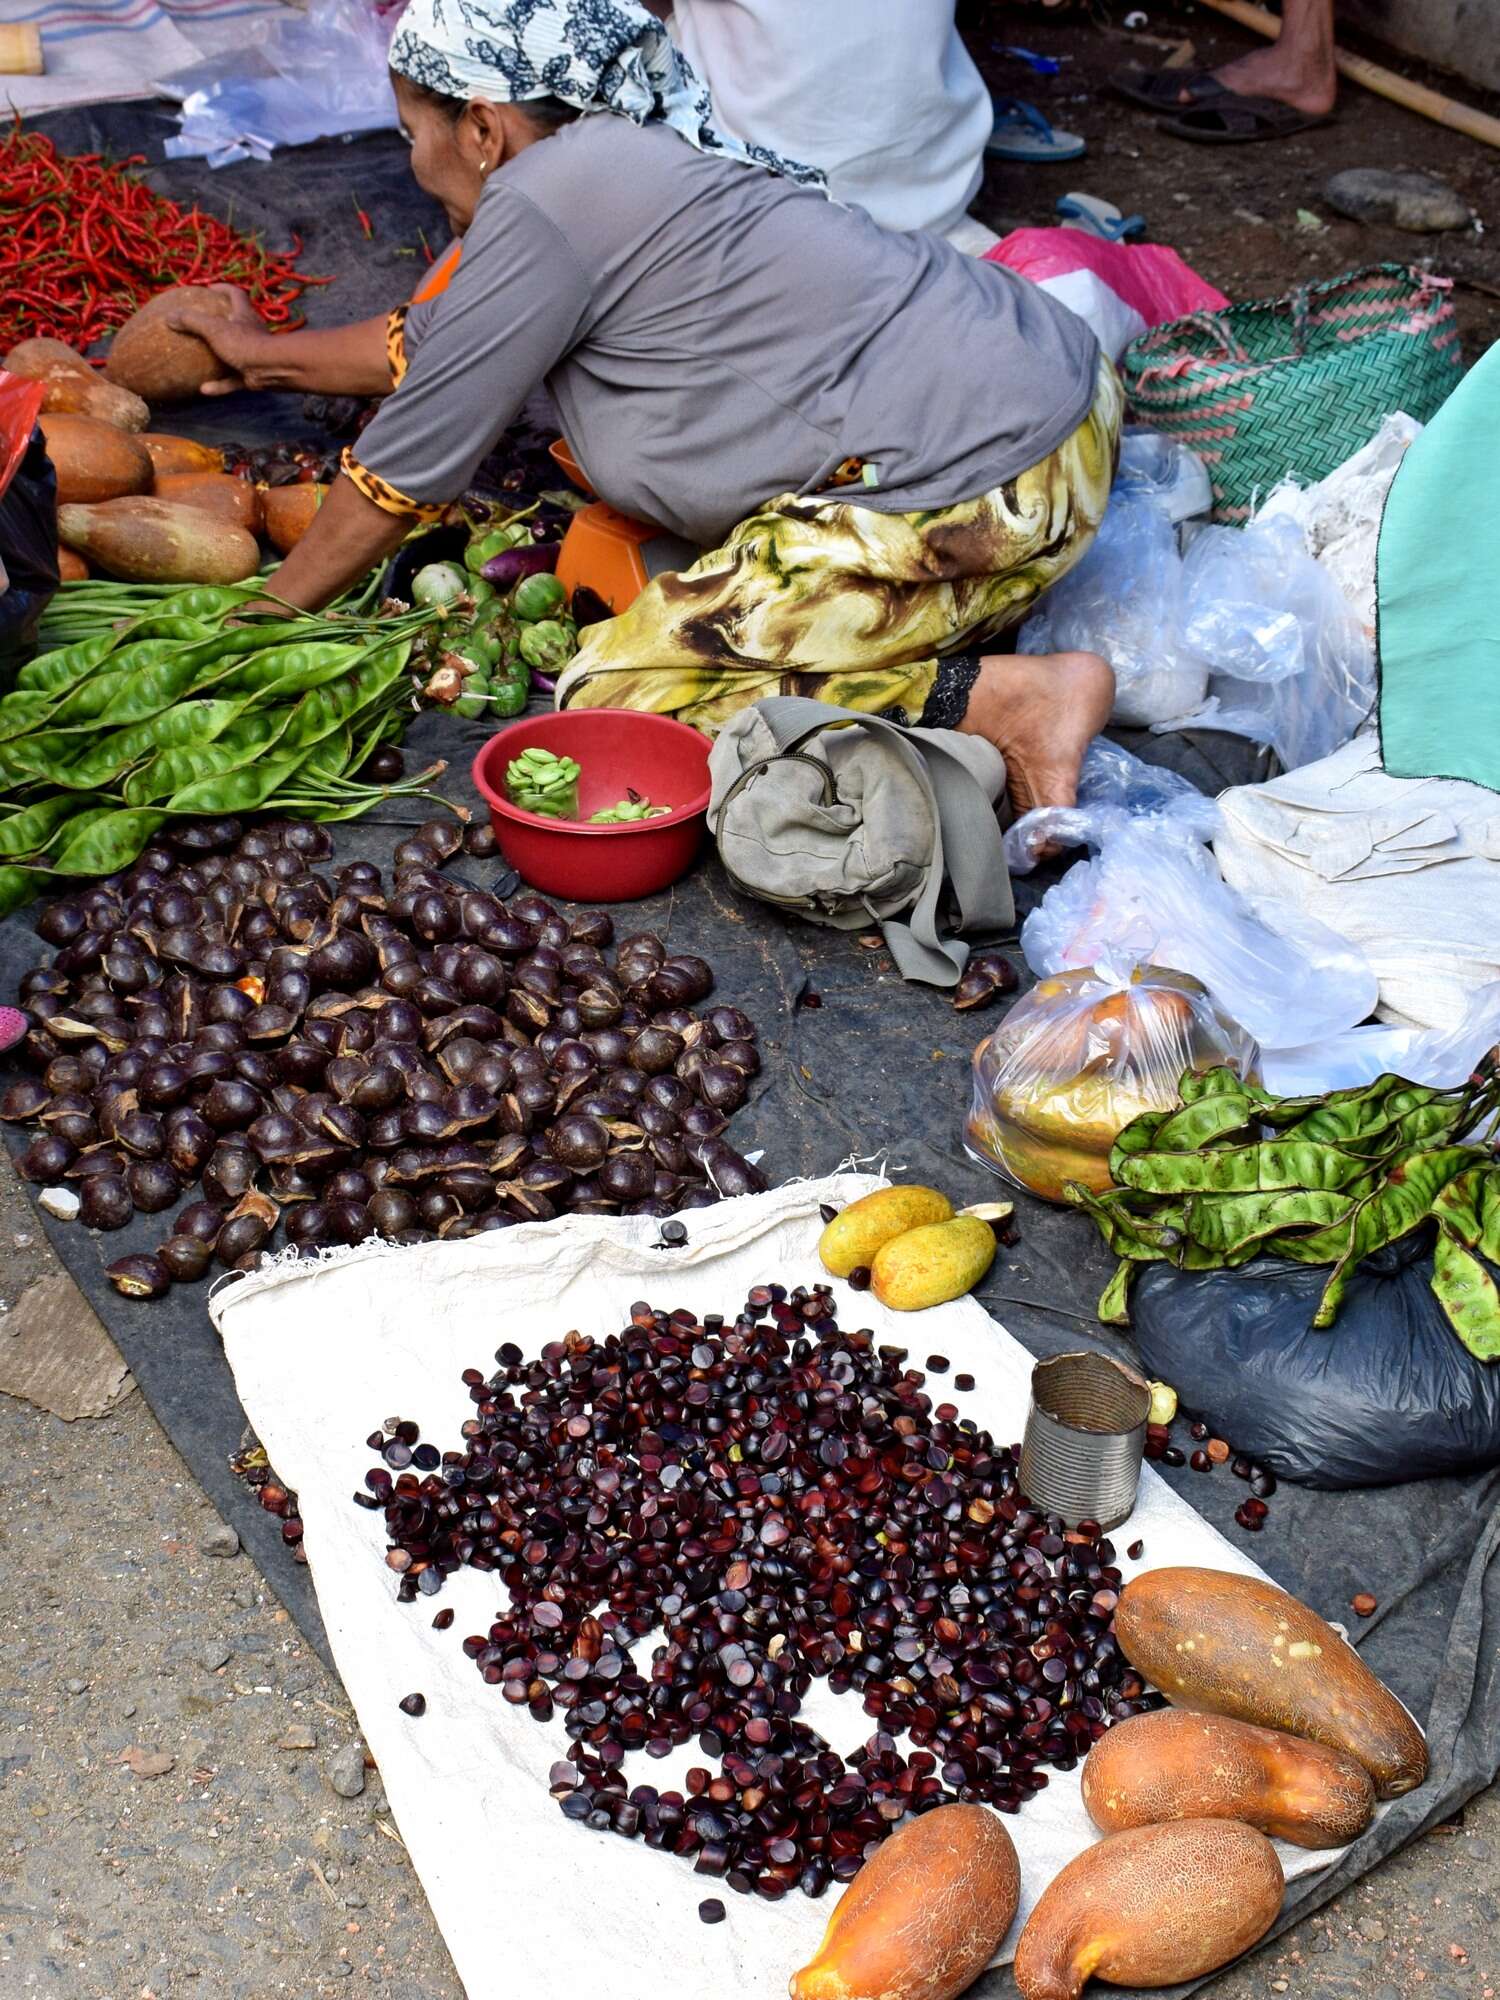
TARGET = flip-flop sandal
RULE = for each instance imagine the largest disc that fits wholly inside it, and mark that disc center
(1022, 133)
(1094, 216)
(1162, 89)
(1232, 120)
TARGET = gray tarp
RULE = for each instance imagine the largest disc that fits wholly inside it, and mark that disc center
(877, 1069)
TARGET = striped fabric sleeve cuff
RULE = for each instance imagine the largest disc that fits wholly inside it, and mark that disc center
(385, 496)
(395, 344)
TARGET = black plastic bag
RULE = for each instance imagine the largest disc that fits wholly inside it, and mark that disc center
(1388, 1393)
(28, 517)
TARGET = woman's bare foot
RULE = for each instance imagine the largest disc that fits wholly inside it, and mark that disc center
(1041, 712)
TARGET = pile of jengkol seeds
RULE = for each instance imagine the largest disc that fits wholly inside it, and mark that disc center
(784, 1501)
(409, 1063)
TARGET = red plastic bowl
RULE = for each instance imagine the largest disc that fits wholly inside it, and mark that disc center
(616, 748)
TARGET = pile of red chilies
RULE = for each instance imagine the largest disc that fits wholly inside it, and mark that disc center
(83, 243)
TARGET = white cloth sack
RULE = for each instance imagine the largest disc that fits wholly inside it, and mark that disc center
(1403, 868)
(530, 1904)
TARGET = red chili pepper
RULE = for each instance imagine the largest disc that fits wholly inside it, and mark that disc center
(86, 242)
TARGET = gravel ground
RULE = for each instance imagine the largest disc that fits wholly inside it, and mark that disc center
(238, 1873)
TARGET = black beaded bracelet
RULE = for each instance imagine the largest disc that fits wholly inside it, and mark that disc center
(946, 706)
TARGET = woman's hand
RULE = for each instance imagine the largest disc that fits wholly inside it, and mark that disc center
(239, 338)
(333, 361)
(344, 540)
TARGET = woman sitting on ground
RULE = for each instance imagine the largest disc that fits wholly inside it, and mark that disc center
(887, 449)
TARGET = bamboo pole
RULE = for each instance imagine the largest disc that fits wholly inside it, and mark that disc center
(1384, 82)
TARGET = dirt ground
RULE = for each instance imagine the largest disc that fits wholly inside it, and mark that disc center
(237, 1872)
(1233, 211)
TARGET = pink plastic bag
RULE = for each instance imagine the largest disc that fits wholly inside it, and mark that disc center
(1121, 289)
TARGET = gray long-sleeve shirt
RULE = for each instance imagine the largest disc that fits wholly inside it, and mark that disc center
(715, 337)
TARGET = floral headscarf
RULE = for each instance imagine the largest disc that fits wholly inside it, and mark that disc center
(600, 55)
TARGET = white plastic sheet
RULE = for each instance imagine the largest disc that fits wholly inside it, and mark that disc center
(1154, 896)
(309, 76)
(531, 1905)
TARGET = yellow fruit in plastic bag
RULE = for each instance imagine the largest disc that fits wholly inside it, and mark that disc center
(858, 1231)
(930, 1265)
(1078, 1058)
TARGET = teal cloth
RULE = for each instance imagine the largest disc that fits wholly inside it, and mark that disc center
(1438, 589)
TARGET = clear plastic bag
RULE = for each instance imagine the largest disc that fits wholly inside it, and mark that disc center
(1080, 1056)
(1290, 663)
(1124, 600)
(1114, 787)
(318, 75)
(1154, 895)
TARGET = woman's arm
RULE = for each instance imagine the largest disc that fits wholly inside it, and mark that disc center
(348, 536)
(334, 361)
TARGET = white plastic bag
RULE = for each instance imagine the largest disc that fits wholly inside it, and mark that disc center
(1291, 664)
(1124, 599)
(1114, 787)
(318, 75)
(1435, 1056)
(1342, 513)
(1153, 895)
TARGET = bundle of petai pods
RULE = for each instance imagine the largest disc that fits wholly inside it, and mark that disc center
(1235, 1174)
(177, 712)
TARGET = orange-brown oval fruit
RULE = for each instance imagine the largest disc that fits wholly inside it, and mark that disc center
(1173, 1764)
(94, 461)
(37, 358)
(71, 567)
(1151, 1908)
(1238, 1646)
(924, 1918)
(159, 541)
(152, 359)
(289, 512)
(70, 394)
(175, 454)
(216, 493)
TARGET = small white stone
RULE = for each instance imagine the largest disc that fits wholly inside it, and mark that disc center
(59, 1201)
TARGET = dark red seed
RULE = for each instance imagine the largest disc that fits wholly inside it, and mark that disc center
(1136, 1551)
(711, 1911)
(938, 1363)
(413, 1704)
(443, 1620)
(859, 1278)
(1172, 1456)
(1201, 1462)
(963, 1382)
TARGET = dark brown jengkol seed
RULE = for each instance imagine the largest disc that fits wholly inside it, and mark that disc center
(139, 1277)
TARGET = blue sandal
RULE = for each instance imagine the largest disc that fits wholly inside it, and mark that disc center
(1022, 133)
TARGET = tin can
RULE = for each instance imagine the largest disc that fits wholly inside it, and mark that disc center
(1085, 1438)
